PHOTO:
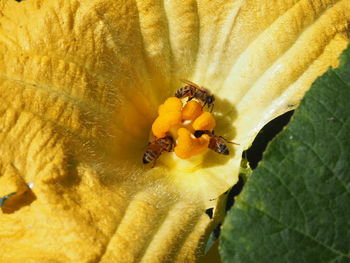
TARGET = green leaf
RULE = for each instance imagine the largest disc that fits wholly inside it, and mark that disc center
(296, 205)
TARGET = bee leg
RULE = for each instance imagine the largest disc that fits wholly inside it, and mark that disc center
(189, 99)
(212, 107)
(205, 103)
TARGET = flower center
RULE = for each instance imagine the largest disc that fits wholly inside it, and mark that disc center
(179, 122)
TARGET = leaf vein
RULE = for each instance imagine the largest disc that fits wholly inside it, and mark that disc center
(290, 192)
(325, 165)
(335, 251)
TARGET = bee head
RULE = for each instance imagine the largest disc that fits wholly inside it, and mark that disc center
(199, 133)
(169, 138)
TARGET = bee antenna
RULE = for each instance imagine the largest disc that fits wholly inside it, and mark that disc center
(233, 143)
(227, 140)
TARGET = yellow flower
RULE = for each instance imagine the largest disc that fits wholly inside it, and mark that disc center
(80, 85)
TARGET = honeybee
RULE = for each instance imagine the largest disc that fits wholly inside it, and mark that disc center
(216, 143)
(193, 91)
(156, 148)
(3, 199)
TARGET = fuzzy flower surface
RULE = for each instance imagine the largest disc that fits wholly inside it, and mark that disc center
(81, 83)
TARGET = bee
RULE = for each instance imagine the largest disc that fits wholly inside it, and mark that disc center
(157, 147)
(193, 91)
(3, 199)
(216, 143)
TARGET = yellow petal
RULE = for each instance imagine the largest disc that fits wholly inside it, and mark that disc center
(80, 84)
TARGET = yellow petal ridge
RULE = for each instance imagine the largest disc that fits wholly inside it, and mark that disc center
(11, 182)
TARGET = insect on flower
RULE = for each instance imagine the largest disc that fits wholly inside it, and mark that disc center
(193, 91)
(3, 199)
(216, 143)
(157, 147)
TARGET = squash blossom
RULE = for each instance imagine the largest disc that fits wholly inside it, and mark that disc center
(80, 87)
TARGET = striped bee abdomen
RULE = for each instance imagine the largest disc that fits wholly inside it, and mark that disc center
(150, 155)
(223, 149)
(184, 92)
(156, 148)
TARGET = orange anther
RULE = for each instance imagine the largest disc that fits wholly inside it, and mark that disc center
(165, 122)
(170, 105)
(205, 121)
(191, 110)
(187, 145)
(169, 116)
(170, 122)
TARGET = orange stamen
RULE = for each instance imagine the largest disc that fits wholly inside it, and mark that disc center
(187, 145)
(191, 110)
(170, 122)
(205, 122)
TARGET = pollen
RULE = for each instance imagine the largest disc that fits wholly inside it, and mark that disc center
(188, 145)
(172, 104)
(180, 122)
(170, 116)
(205, 121)
(191, 110)
(164, 124)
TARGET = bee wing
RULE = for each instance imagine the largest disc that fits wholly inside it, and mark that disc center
(190, 83)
